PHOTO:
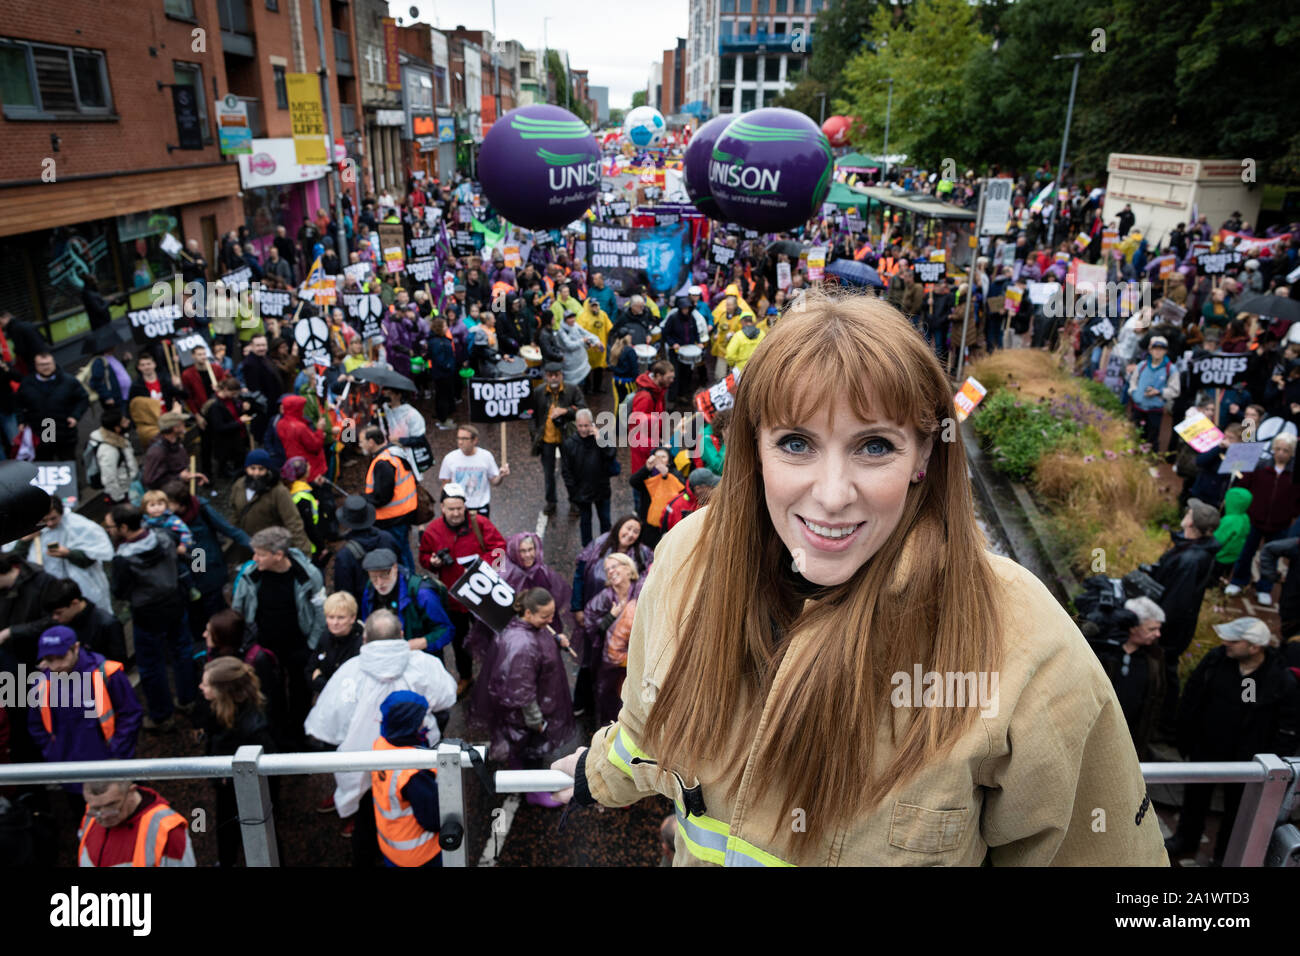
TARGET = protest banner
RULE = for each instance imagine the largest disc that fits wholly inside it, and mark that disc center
(1109, 240)
(619, 208)
(422, 246)
(464, 213)
(1199, 432)
(658, 257)
(392, 241)
(971, 394)
(938, 255)
(272, 303)
(462, 242)
(1082, 241)
(238, 280)
(929, 271)
(499, 400)
(783, 275)
(721, 255)
(854, 224)
(719, 396)
(484, 593)
(1101, 330)
(365, 311)
(997, 207)
(1218, 369)
(171, 245)
(312, 335)
(1216, 263)
(1064, 257)
(157, 322)
(1167, 266)
(816, 263)
(185, 345)
(511, 256)
(359, 270)
(58, 479)
(1242, 457)
(422, 269)
(1013, 300)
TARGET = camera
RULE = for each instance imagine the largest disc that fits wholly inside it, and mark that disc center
(444, 557)
(1102, 616)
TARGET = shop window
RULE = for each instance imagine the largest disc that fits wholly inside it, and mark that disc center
(281, 88)
(191, 74)
(41, 81)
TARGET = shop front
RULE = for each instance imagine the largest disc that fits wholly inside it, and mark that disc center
(422, 154)
(278, 191)
(110, 228)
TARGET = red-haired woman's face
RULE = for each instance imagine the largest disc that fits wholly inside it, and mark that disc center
(835, 493)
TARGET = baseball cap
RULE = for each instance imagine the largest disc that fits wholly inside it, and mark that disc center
(1158, 342)
(381, 559)
(55, 642)
(1250, 629)
(1205, 518)
(695, 290)
(702, 478)
(453, 489)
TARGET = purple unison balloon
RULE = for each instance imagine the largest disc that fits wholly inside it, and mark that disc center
(770, 169)
(540, 167)
(695, 164)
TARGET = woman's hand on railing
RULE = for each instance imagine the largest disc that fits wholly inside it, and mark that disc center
(567, 765)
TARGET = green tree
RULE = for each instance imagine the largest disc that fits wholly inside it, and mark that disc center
(926, 51)
(805, 96)
(639, 98)
(616, 117)
(841, 30)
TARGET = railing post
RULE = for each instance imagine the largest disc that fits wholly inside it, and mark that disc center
(1257, 816)
(451, 803)
(253, 797)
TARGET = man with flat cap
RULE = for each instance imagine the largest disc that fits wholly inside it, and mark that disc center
(356, 518)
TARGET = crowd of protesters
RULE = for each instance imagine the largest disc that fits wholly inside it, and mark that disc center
(309, 604)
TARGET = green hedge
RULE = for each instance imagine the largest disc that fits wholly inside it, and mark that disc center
(1018, 433)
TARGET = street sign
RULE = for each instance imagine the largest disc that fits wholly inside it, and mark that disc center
(236, 136)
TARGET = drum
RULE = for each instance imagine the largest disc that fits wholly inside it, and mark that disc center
(1270, 428)
(512, 367)
(531, 355)
(645, 354)
(690, 355)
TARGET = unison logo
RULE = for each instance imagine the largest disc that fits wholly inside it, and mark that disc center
(751, 179)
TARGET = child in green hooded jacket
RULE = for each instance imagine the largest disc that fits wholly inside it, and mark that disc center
(1233, 528)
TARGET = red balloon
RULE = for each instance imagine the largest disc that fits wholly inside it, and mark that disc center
(837, 129)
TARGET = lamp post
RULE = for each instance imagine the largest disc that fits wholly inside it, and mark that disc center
(822, 96)
(546, 60)
(340, 239)
(1065, 140)
(889, 105)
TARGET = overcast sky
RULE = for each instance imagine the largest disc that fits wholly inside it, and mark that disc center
(616, 42)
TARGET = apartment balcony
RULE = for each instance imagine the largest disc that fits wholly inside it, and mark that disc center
(342, 54)
(764, 42)
(236, 27)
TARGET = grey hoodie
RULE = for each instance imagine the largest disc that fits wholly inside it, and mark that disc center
(145, 572)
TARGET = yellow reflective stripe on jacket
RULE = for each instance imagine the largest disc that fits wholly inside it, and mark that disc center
(622, 750)
(710, 840)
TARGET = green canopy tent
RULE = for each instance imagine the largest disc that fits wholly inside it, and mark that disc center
(857, 160)
(844, 197)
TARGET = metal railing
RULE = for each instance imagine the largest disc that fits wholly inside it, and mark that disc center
(1261, 835)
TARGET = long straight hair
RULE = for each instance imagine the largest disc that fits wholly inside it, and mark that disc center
(926, 597)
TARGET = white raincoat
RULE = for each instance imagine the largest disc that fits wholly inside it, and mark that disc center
(347, 711)
(78, 534)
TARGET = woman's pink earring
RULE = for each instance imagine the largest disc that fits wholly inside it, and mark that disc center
(920, 476)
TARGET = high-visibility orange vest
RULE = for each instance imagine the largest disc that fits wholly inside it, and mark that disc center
(104, 712)
(404, 501)
(886, 266)
(401, 837)
(661, 489)
(151, 832)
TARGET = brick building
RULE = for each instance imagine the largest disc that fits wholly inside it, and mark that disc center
(88, 184)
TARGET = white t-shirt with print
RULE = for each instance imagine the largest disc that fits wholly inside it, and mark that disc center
(471, 472)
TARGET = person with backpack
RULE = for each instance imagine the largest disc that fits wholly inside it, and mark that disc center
(446, 382)
(282, 595)
(356, 518)
(104, 377)
(145, 573)
(416, 599)
(447, 544)
(227, 635)
(294, 474)
(108, 458)
(207, 527)
(259, 499)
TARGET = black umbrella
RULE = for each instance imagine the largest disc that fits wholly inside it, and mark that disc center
(104, 337)
(1274, 306)
(786, 247)
(384, 377)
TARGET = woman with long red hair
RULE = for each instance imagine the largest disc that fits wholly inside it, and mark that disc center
(826, 667)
